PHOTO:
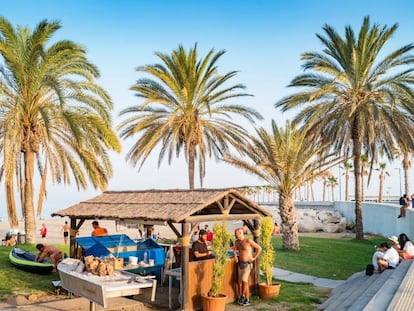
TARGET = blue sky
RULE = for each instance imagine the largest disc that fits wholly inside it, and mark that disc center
(263, 40)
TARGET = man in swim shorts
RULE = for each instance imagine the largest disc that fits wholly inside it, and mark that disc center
(244, 257)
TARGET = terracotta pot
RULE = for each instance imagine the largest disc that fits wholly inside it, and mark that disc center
(214, 303)
(269, 291)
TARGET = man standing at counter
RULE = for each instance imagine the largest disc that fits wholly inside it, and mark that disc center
(200, 250)
(243, 248)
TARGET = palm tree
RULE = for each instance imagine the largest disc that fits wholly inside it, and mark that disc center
(286, 159)
(332, 182)
(51, 108)
(347, 167)
(354, 100)
(364, 172)
(186, 108)
(325, 181)
(382, 174)
(406, 164)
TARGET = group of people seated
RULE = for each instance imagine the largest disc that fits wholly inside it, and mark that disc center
(389, 254)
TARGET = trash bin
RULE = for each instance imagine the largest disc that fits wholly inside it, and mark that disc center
(21, 238)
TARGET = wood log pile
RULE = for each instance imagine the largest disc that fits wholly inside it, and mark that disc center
(98, 266)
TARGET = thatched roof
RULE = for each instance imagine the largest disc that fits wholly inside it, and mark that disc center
(176, 206)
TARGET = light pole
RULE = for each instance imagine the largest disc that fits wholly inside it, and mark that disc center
(399, 176)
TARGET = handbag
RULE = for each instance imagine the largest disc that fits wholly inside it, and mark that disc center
(369, 270)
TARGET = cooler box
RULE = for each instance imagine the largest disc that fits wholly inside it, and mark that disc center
(119, 245)
(153, 250)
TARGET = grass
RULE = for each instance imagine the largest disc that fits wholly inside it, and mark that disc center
(327, 258)
(15, 282)
(320, 257)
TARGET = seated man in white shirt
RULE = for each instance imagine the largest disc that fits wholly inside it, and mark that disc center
(390, 260)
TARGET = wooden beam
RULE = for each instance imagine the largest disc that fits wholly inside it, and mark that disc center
(174, 229)
(203, 218)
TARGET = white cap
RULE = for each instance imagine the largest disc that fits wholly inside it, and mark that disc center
(394, 239)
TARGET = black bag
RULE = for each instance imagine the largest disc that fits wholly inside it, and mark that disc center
(402, 201)
(369, 270)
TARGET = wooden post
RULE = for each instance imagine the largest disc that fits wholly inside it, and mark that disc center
(72, 237)
(185, 252)
(256, 234)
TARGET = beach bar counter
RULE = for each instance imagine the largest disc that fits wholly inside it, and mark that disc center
(181, 210)
(143, 257)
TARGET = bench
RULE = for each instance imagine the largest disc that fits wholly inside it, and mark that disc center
(376, 292)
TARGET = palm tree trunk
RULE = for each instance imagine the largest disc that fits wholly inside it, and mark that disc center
(347, 186)
(28, 206)
(11, 205)
(290, 237)
(406, 166)
(381, 188)
(359, 228)
(191, 166)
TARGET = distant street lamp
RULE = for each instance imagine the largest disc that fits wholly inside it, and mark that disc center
(388, 193)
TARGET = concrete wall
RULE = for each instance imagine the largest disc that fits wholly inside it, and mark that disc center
(380, 218)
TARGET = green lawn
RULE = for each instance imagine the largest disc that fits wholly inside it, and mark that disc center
(321, 257)
(15, 282)
(327, 258)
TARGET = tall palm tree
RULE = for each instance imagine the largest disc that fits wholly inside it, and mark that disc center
(364, 172)
(286, 159)
(382, 174)
(332, 182)
(406, 164)
(347, 166)
(355, 100)
(51, 108)
(187, 107)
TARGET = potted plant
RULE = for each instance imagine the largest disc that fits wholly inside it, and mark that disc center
(267, 289)
(220, 244)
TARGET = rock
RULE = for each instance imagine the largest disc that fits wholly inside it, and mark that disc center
(18, 300)
(315, 220)
(32, 298)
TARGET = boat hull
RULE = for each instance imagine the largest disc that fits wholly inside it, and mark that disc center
(98, 289)
(25, 261)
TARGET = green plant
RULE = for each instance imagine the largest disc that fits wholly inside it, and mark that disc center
(267, 256)
(220, 246)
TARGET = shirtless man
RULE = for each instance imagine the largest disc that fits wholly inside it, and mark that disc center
(65, 230)
(50, 251)
(243, 248)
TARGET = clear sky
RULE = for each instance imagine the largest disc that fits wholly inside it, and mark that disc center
(263, 40)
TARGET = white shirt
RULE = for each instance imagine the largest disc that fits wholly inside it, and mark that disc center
(392, 257)
(409, 248)
(377, 254)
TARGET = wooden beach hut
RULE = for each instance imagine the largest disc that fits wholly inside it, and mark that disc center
(181, 210)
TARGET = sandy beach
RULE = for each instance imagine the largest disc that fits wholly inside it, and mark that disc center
(54, 227)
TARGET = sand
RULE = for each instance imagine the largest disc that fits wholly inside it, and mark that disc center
(54, 226)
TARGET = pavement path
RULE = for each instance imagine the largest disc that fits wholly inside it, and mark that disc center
(294, 277)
